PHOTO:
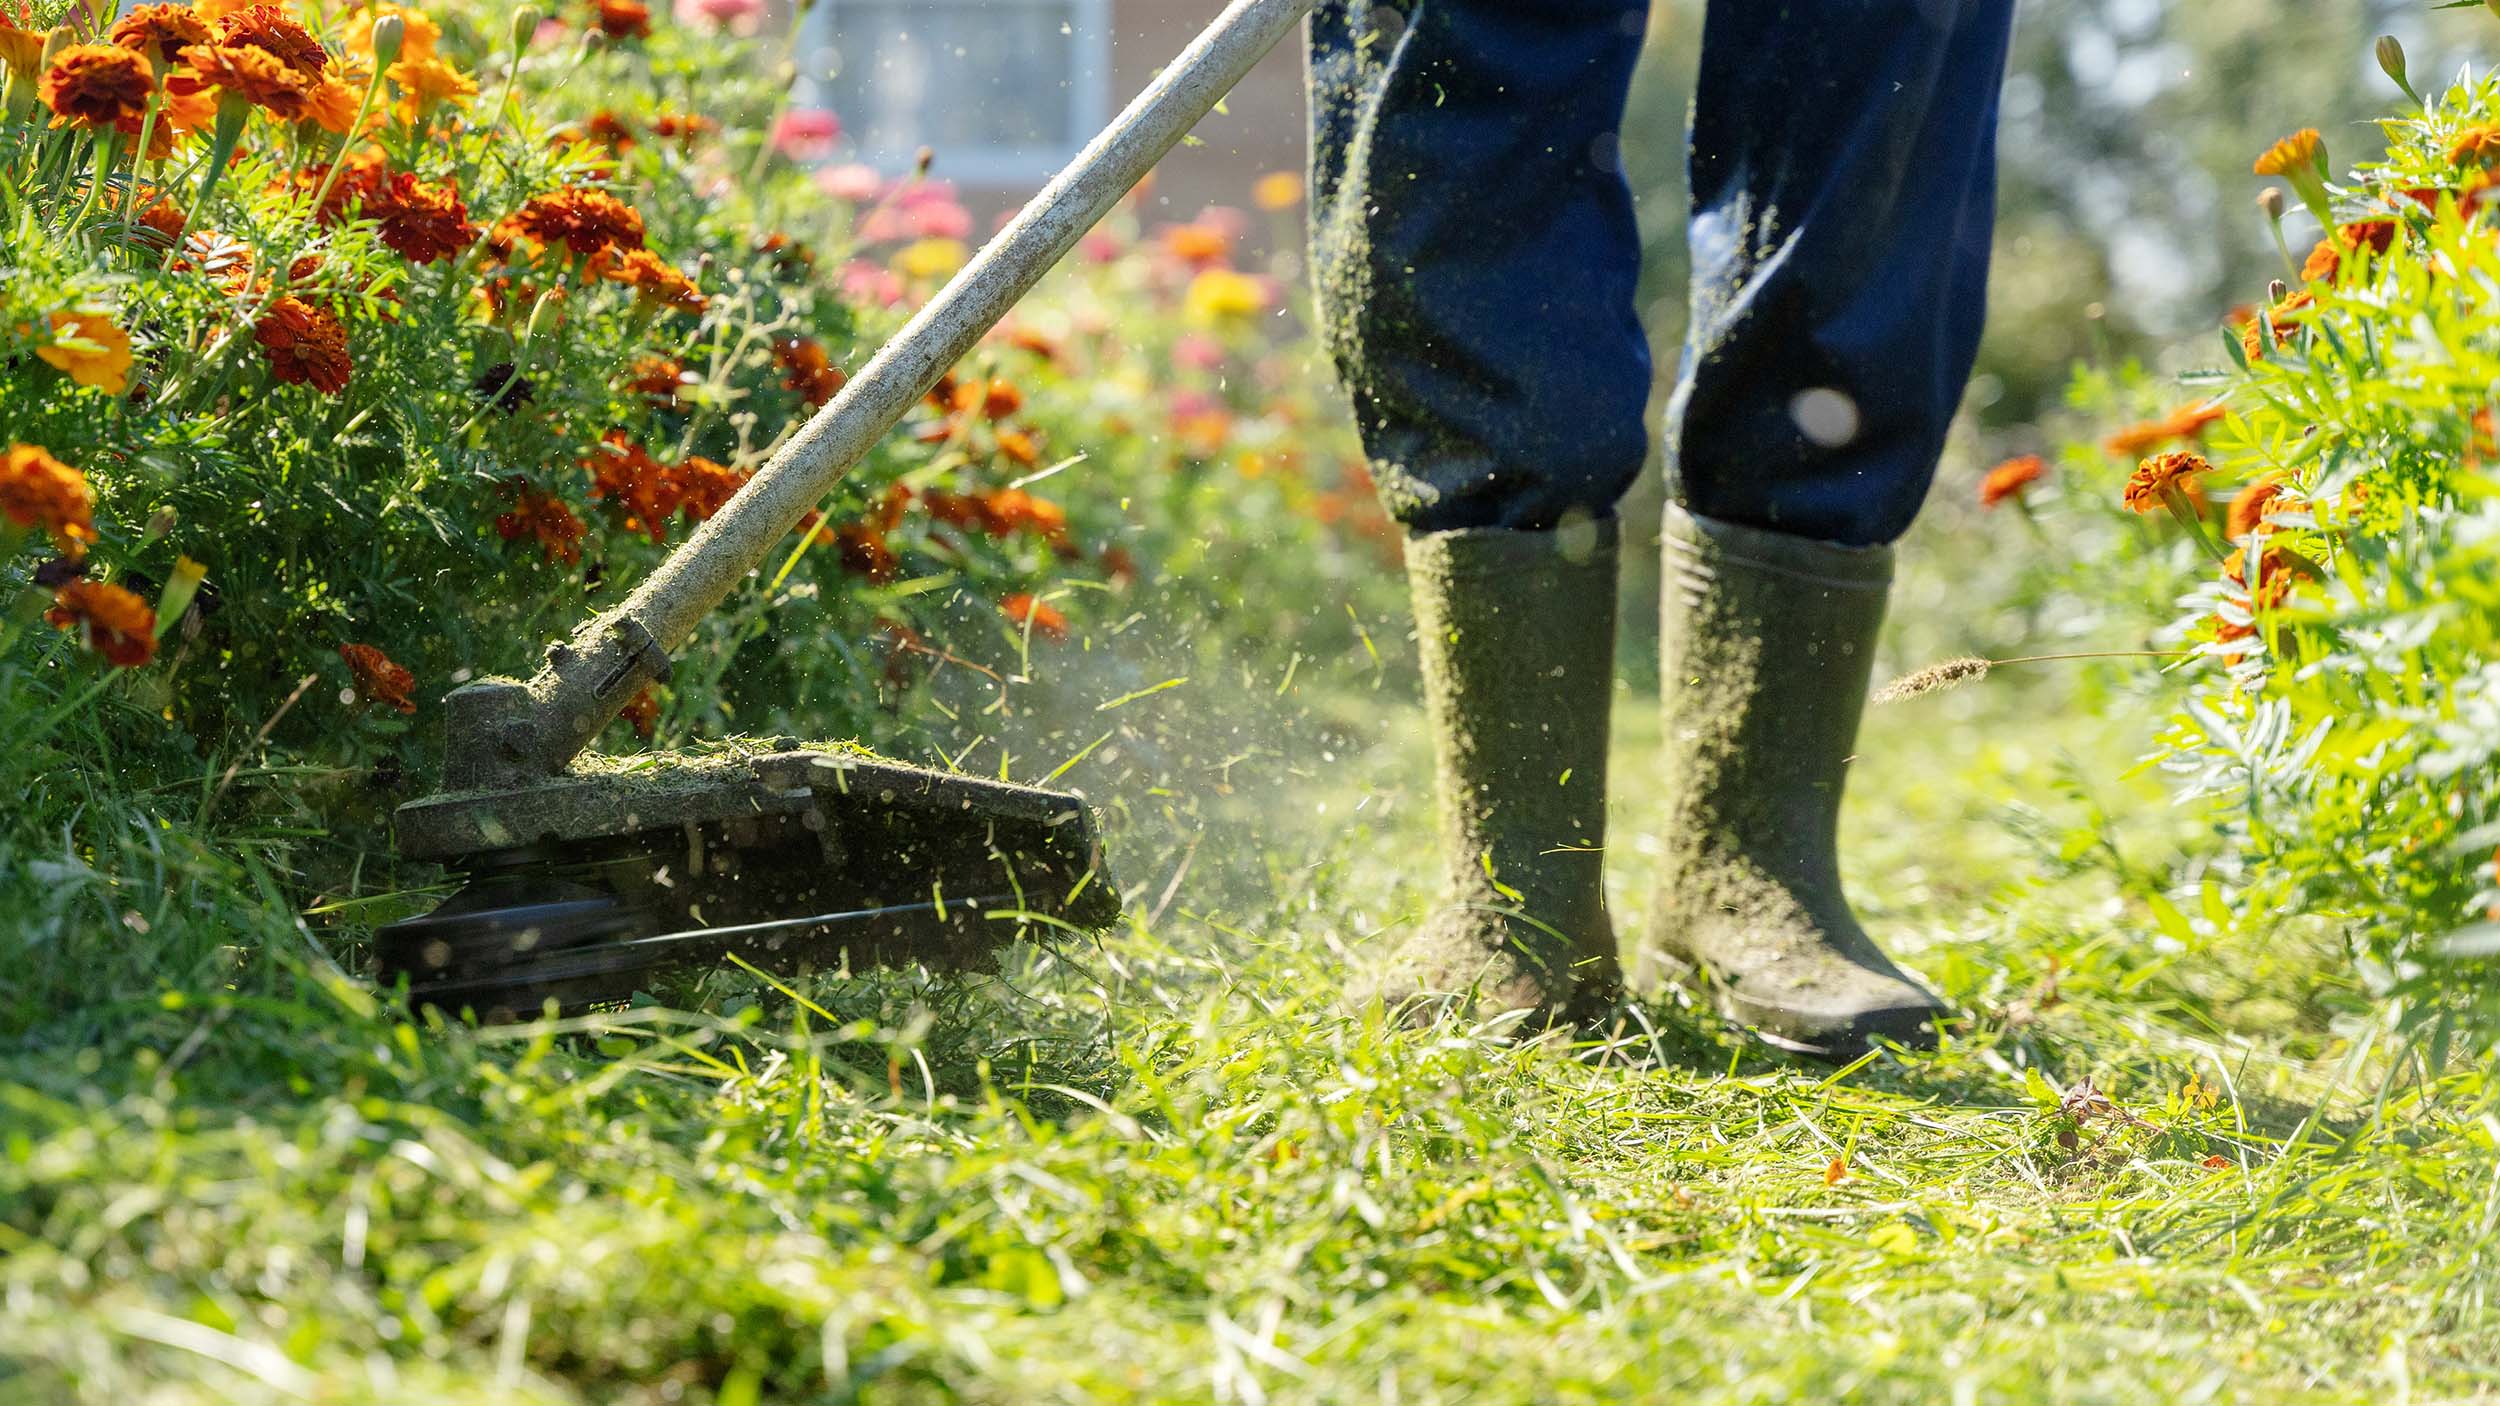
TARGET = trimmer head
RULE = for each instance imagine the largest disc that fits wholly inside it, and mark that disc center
(582, 886)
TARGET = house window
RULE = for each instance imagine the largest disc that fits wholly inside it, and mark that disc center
(1005, 91)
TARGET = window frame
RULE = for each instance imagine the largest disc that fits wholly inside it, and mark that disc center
(1088, 89)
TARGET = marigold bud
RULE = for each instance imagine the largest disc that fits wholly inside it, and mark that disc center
(2391, 60)
(2270, 200)
(550, 306)
(525, 21)
(180, 589)
(390, 35)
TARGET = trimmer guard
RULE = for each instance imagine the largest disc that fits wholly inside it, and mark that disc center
(571, 878)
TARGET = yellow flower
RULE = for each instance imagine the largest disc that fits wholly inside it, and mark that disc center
(91, 349)
(931, 258)
(1219, 295)
(1277, 190)
(214, 10)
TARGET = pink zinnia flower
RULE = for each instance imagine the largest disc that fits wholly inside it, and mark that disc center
(927, 210)
(718, 13)
(850, 181)
(871, 283)
(806, 133)
(1198, 352)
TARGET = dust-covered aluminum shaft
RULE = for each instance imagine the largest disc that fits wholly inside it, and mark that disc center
(608, 661)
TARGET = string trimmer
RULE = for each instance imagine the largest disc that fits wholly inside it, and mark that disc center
(584, 875)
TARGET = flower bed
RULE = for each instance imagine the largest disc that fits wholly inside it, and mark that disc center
(2326, 494)
(411, 336)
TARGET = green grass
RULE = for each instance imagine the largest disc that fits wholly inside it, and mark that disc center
(1176, 1168)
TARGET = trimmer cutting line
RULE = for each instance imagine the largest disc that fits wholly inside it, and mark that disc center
(586, 874)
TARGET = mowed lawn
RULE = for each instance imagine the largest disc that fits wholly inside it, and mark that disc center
(2168, 1158)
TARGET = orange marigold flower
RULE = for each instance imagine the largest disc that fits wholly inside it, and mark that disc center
(244, 71)
(624, 473)
(704, 487)
(866, 553)
(118, 624)
(622, 19)
(2283, 317)
(1040, 344)
(2277, 572)
(586, 222)
(1014, 510)
(418, 31)
(2177, 469)
(546, 518)
(684, 126)
(642, 714)
(160, 32)
(2144, 436)
(21, 50)
(39, 491)
(999, 399)
(379, 678)
(2009, 479)
(306, 343)
(2475, 146)
(427, 83)
(97, 85)
(184, 113)
(656, 376)
(361, 179)
(2327, 259)
(1020, 448)
(2299, 152)
(276, 33)
(1035, 615)
(423, 224)
(956, 510)
(1198, 243)
(791, 259)
(654, 279)
(91, 349)
(165, 219)
(810, 372)
(334, 100)
(2247, 513)
(1277, 190)
(609, 130)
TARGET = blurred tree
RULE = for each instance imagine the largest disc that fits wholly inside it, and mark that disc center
(2127, 220)
(2126, 209)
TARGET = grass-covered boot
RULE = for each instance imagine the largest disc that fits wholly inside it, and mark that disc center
(1768, 643)
(1518, 639)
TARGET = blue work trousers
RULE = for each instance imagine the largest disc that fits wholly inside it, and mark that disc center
(1476, 254)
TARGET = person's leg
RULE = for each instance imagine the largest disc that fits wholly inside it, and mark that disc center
(1475, 254)
(1843, 171)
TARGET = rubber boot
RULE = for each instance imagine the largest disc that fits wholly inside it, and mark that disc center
(1768, 643)
(1518, 639)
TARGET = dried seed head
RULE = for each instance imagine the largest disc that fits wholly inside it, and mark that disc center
(1935, 678)
(2270, 200)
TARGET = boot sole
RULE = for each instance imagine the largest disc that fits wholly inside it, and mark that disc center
(1733, 1007)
